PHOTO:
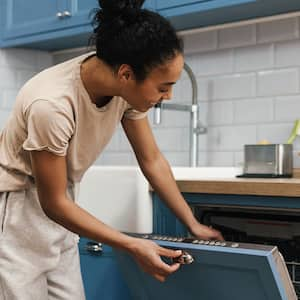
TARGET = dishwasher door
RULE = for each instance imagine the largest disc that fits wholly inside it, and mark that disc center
(227, 271)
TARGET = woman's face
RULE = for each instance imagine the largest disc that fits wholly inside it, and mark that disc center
(156, 87)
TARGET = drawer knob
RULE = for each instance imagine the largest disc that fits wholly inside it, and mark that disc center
(94, 247)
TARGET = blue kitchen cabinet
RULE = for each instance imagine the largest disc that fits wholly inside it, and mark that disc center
(246, 222)
(47, 24)
(23, 18)
(189, 14)
(100, 273)
(165, 222)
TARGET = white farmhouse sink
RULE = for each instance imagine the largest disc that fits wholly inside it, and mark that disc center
(120, 197)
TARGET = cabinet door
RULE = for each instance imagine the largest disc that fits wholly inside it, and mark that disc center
(150, 4)
(227, 271)
(190, 13)
(180, 7)
(100, 273)
(23, 18)
(81, 12)
(173, 3)
(164, 221)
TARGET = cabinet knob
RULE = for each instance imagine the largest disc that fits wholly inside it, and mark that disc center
(59, 15)
(66, 14)
(94, 248)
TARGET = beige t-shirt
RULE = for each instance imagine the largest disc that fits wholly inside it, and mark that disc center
(54, 112)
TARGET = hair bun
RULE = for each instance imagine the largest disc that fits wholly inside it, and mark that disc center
(114, 8)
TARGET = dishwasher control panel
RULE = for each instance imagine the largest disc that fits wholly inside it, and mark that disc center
(190, 240)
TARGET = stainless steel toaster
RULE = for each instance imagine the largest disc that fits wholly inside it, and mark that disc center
(271, 160)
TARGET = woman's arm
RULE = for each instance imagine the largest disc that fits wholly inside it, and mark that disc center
(159, 174)
(51, 180)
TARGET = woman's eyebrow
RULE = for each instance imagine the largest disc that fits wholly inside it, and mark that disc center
(168, 83)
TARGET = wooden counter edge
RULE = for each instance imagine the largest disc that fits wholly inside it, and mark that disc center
(264, 188)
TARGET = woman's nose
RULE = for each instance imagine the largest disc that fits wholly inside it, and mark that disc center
(168, 95)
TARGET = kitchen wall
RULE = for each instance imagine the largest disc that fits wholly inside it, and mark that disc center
(16, 67)
(249, 90)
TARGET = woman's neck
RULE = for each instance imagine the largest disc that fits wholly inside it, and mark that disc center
(99, 81)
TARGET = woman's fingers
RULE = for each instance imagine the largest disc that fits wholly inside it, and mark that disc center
(169, 252)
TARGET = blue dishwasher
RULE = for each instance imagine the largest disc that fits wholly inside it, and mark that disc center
(213, 270)
(100, 273)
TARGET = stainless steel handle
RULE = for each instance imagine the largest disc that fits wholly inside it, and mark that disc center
(64, 14)
(67, 14)
(94, 247)
(59, 15)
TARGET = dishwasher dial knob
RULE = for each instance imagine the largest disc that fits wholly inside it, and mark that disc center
(184, 259)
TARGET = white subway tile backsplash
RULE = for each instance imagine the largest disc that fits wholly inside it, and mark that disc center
(23, 76)
(287, 108)
(44, 60)
(234, 86)
(274, 133)
(213, 63)
(8, 78)
(253, 110)
(124, 144)
(171, 118)
(215, 158)
(219, 113)
(278, 82)
(248, 90)
(2, 57)
(8, 99)
(172, 139)
(200, 42)
(20, 58)
(111, 158)
(178, 159)
(256, 57)
(230, 138)
(233, 138)
(205, 88)
(296, 159)
(237, 36)
(4, 115)
(184, 95)
(287, 54)
(114, 144)
(239, 159)
(279, 30)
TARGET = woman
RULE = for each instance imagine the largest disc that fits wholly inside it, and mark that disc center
(62, 119)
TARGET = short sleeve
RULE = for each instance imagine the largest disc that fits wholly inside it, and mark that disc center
(50, 127)
(133, 114)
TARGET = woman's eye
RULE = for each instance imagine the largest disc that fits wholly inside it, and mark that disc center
(163, 91)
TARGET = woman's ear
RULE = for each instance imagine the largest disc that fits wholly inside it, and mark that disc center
(125, 73)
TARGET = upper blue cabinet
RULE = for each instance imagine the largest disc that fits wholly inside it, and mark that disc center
(47, 24)
(187, 14)
(59, 24)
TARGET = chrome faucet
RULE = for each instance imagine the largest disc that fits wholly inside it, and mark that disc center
(196, 126)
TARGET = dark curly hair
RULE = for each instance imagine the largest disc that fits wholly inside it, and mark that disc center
(125, 33)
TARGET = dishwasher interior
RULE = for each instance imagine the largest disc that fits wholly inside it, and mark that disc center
(269, 227)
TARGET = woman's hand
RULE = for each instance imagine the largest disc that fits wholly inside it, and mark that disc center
(148, 256)
(204, 232)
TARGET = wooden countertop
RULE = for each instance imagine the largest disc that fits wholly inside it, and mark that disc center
(285, 187)
(243, 186)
